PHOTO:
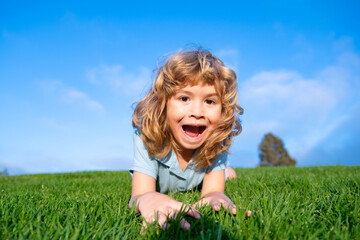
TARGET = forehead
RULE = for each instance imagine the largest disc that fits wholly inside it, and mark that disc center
(201, 83)
(203, 89)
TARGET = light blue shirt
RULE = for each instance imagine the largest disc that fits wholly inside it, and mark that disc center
(167, 172)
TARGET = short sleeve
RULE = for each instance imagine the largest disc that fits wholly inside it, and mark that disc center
(220, 163)
(142, 162)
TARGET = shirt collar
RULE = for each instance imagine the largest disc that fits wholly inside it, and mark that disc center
(172, 163)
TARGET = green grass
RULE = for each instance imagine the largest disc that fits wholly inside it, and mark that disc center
(286, 203)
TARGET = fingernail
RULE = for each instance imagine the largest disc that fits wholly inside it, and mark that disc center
(234, 211)
(164, 226)
(248, 213)
(187, 226)
(217, 207)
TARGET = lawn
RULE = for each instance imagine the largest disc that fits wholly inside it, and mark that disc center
(286, 202)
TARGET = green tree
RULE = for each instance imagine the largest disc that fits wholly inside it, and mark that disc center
(4, 172)
(273, 153)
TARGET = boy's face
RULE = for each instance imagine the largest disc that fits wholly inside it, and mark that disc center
(193, 113)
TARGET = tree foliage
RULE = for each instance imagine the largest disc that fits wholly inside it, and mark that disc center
(273, 153)
(4, 172)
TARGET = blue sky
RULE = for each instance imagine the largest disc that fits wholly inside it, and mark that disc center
(70, 72)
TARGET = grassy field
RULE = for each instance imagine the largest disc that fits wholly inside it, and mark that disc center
(295, 203)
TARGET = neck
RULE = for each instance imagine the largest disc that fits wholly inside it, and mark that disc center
(184, 157)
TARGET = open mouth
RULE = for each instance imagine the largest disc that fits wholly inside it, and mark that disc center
(193, 131)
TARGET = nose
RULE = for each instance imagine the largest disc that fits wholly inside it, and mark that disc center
(197, 110)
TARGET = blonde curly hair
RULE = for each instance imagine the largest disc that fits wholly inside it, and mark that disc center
(180, 69)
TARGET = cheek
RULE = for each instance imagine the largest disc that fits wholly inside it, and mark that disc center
(175, 110)
(216, 116)
(172, 114)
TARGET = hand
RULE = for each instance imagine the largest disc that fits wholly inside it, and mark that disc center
(231, 173)
(216, 200)
(157, 206)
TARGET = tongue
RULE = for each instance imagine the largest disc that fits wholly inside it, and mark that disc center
(192, 131)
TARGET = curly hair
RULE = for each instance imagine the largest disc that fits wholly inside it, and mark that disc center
(179, 70)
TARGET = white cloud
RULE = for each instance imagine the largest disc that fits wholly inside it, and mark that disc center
(105, 73)
(75, 96)
(341, 146)
(286, 94)
(70, 95)
(302, 111)
(130, 84)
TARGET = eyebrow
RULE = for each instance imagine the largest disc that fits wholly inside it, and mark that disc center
(215, 94)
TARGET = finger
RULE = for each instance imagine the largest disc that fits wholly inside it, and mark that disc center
(229, 206)
(162, 219)
(149, 220)
(200, 203)
(197, 204)
(173, 215)
(184, 224)
(194, 213)
(166, 226)
(231, 172)
(233, 209)
(216, 205)
(144, 227)
(170, 212)
(146, 223)
(248, 213)
(191, 211)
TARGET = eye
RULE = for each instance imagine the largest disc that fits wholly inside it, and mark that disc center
(184, 99)
(209, 101)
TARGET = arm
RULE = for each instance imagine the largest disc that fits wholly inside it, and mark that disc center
(153, 205)
(213, 182)
(213, 192)
(141, 183)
